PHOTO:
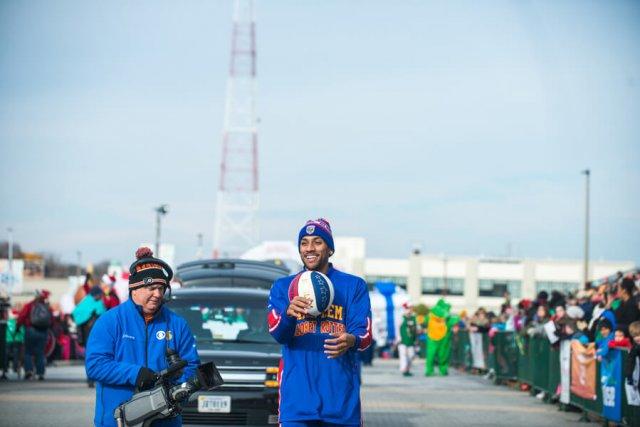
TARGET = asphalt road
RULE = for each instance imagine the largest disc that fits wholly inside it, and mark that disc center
(389, 400)
(456, 400)
(62, 400)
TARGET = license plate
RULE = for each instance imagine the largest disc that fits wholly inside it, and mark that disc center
(214, 403)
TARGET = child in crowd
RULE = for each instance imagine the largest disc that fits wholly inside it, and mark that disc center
(620, 339)
(520, 318)
(536, 326)
(569, 330)
(602, 344)
(634, 354)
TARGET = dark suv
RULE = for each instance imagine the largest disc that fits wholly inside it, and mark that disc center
(229, 322)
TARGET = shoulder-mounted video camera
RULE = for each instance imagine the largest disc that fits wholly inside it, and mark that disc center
(165, 399)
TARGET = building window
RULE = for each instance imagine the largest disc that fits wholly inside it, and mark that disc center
(497, 287)
(438, 286)
(397, 280)
(564, 287)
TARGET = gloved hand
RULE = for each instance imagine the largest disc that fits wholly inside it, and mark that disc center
(146, 379)
(179, 373)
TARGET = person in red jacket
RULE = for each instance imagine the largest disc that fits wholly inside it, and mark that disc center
(110, 298)
(36, 317)
(620, 339)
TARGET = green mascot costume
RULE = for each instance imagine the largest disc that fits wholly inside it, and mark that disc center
(439, 324)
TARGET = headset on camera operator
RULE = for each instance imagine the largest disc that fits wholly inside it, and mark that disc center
(128, 345)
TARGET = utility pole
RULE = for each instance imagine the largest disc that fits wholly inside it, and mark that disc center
(161, 211)
(587, 174)
(236, 223)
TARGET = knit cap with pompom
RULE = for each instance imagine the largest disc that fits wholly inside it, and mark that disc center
(144, 252)
(147, 270)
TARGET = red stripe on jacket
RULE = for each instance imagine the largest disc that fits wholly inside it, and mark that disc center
(365, 340)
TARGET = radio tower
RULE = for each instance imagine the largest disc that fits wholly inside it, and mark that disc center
(236, 226)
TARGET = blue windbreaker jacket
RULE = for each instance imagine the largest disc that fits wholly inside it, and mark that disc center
(312, 386)
(120, 344)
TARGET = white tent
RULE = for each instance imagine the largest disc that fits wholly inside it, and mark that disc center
(282, 250)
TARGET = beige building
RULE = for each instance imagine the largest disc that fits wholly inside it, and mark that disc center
(470, 282)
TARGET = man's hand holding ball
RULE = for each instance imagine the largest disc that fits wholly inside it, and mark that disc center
(298, 307)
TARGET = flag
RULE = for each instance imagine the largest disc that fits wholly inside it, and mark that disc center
(610, 377)
(477, 352)
(565, 375)
(633, 397)
(583, 370)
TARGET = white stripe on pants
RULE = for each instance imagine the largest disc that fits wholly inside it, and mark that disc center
(406, 353)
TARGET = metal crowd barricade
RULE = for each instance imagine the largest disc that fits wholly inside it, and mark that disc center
(588, 405)
(539, 363)
(454, 359)
(523, 367)
(505, 356)
(534, 361)
(553, 380)
(460, 350)
(485, 351)
(462, 342)
(630, 413)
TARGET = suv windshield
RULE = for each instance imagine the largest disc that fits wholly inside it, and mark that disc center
(225, 319)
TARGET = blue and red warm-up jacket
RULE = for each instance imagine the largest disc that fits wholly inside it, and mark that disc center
(312, 386)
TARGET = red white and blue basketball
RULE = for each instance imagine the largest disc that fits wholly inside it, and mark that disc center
(315, 286)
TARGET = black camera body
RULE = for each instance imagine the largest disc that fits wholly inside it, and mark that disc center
(164, 400)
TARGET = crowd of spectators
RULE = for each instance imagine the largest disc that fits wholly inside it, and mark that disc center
(606, 313)
(575, 315)
(38, 332)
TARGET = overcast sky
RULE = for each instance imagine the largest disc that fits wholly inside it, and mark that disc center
(460, 125)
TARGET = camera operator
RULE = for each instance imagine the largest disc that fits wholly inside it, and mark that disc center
(128, 343)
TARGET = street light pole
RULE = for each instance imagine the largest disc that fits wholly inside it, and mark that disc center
(587, 174)
(10, 259)
(160, 212)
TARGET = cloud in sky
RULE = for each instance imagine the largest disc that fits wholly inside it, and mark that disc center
(461, 126)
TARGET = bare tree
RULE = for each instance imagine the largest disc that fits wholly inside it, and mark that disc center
(4, 250)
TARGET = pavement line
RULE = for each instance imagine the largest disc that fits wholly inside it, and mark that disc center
(40, 398)
(415, 390)
(42, 386)
(385, 404)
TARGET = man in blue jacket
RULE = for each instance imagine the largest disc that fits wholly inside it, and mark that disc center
(319, 372)
(128, 344)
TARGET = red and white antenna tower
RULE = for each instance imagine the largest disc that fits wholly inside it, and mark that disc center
(236, 225)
